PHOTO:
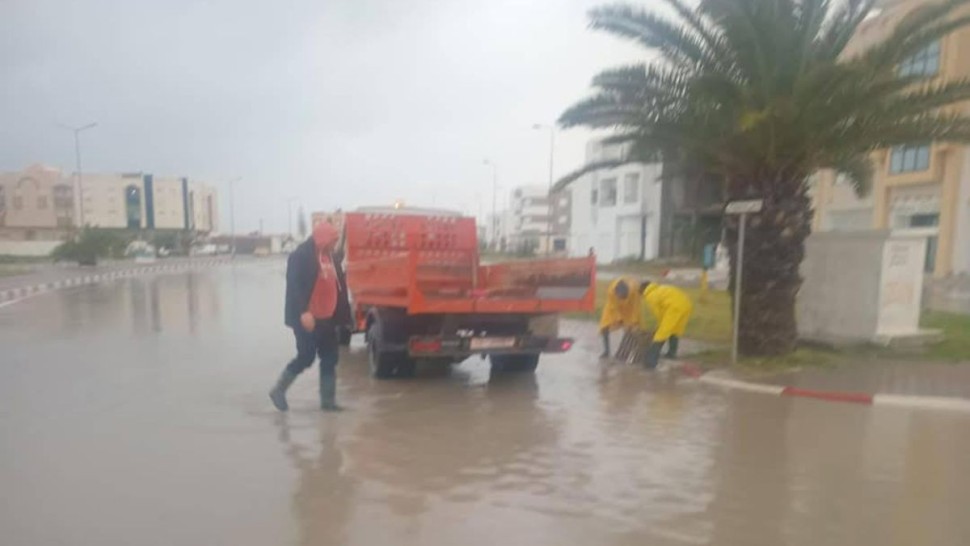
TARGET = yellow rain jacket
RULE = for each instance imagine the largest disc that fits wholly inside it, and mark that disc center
(671, 307)
(621, 312)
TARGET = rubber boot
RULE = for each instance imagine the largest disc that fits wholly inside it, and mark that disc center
(328, 391)
(606, 344)
(672, 345)
(278, 393)
(652, 355)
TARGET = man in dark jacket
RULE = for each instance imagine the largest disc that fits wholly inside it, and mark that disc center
(316, 305)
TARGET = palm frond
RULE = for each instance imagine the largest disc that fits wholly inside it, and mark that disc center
(680, 46)
(586, 169)
(858, 169)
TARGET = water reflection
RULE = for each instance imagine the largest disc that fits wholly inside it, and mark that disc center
(172, 303)
(438, 441)
(324, 495)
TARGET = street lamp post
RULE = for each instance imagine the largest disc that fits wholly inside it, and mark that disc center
(77, 158)
(552, 155)
(232, 218)
(491, 163)
(289, 213)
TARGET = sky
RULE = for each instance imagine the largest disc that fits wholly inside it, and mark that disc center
(338, 103)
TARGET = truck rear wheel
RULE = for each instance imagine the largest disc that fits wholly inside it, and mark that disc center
(385, 364)
(515, 363)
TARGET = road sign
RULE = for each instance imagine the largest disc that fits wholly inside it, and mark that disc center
(744, 207)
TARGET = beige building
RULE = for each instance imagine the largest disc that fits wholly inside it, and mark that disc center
(39, 202)
(39, 197)
(922, 188)
(168, 203)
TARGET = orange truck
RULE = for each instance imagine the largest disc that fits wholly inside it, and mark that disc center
(419, 292)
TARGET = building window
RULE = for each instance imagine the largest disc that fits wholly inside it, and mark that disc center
(64, 222)
(608, 187)
(926, 62)
(564, 201)
(42, 202)
(18, 202)
(905, 159)
(594, 197)
(559, 245)
(631, 188)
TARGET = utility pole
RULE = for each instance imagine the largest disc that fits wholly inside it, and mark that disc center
(552, 156)
(289, 213)
(494, 199)
(77, 158)
(232, 218)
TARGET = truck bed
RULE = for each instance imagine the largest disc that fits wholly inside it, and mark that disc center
(427, 264)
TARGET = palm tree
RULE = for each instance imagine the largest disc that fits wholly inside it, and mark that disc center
(762, 94)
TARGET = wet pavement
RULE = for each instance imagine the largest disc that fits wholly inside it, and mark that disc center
(136, 413)
(911, 377)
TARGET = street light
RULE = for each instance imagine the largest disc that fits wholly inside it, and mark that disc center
(232, 218)
(289, 212)
(491, 163)
(77, 157)
(552, 150)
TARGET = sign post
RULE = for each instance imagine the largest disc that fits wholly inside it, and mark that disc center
(742, 208)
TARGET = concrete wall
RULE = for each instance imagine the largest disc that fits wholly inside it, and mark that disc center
(27, 248)
(961, 248)
(859, 286)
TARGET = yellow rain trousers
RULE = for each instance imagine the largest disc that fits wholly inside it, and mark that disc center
(621, 312)
(671, 307)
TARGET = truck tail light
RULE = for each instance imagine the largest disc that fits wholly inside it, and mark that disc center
(560, 345)
(425, 345)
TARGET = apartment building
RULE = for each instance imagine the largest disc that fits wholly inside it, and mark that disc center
(922, 188)
(42, 202)
(615, 212)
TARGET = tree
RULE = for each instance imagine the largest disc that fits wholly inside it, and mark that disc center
(91, 244)
(762, 94)
(301, 224)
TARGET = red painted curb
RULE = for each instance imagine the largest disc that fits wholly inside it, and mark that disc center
(834, 396)
(692, 370)
(695, 372)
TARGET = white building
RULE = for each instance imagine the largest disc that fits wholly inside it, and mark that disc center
(499, 228)
(615, 212)
(530, 219)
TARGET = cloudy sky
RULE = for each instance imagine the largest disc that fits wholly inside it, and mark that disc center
(341, 103)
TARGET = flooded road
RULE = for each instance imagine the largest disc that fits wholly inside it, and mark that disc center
(136, 413)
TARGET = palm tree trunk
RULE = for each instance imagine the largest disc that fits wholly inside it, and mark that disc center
(773, 252)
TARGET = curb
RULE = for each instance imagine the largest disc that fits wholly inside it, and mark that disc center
(11, 296)
(948, 403)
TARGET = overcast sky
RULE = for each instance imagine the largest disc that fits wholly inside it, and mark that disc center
(339, 102)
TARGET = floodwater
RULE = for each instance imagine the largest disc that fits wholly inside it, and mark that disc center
(136, 413)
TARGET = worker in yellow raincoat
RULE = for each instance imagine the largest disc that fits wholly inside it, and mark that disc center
(671, 306)
(622, 309)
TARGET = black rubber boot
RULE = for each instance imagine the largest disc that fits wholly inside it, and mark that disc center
(606, 344)
(672, 345)
(278, 393)
(652, 355)
(328, 391)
